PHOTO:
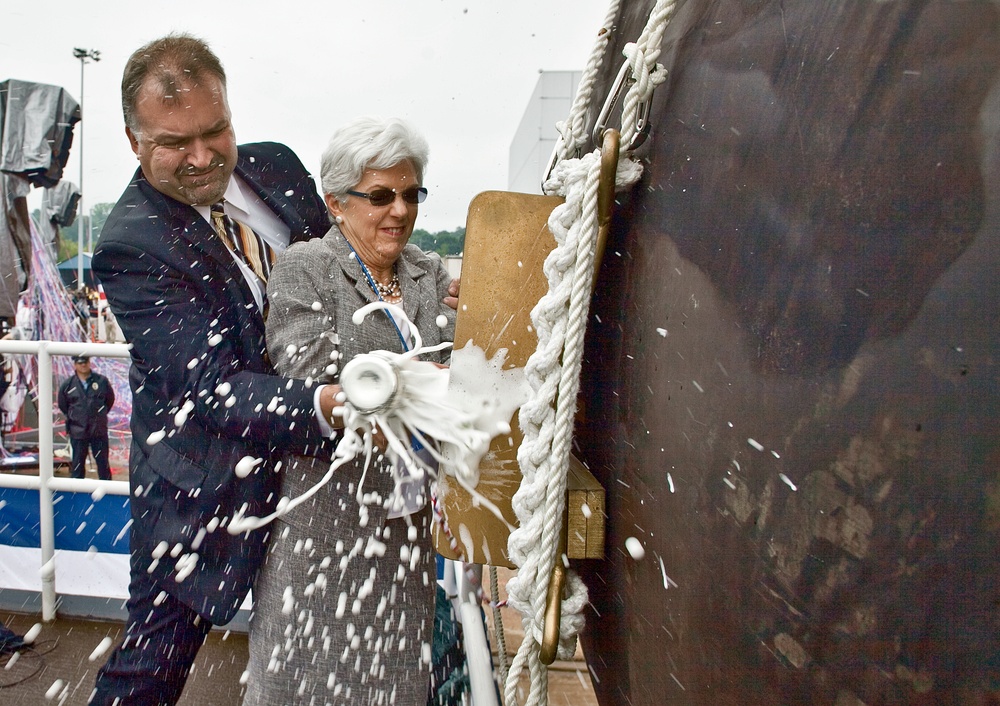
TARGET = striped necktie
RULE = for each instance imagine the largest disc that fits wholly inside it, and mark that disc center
(241, 240)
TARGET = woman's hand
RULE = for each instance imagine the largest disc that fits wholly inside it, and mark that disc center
(452, 299)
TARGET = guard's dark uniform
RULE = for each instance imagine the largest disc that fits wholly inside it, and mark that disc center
(86, 405)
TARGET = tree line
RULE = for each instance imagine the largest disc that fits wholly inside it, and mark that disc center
(444, 242)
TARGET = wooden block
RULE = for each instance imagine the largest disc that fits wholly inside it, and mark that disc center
(585, 513)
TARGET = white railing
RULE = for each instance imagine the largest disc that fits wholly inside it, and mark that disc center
(476, 644)
(44, 482)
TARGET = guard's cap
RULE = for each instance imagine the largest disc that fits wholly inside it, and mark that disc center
(81, 359)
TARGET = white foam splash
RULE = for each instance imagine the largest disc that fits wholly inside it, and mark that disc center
(53, 691)
(460, 418)
(489, 396)
(181, 417)
(246, 465)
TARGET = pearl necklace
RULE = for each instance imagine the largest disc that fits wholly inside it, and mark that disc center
(391, 290)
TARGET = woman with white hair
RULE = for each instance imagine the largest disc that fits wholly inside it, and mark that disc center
(344, 605)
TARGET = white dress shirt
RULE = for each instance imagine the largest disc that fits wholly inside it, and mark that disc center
(243, 205)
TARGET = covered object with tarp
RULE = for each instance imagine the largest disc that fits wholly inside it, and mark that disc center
(36, 132)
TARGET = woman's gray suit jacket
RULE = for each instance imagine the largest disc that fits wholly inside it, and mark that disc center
(345, 600)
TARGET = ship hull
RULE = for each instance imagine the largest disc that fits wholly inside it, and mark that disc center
(791, 386)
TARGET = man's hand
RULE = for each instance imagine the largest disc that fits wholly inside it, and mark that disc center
(452, 299)
(328, 403)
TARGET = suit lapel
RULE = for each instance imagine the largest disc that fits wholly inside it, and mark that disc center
(352, 270)
(409, 281)
(189, 230)
(275, 199)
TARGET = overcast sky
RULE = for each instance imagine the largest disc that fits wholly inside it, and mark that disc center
(460, 72)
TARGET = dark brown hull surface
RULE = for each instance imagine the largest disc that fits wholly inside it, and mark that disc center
(791, 388)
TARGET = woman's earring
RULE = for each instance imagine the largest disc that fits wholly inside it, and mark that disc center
(339, 219)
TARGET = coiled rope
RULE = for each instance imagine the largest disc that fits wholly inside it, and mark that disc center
(553, 371)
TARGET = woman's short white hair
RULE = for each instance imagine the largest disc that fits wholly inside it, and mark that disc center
(369, 143)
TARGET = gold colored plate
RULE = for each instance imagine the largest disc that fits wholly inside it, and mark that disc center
(506, 242)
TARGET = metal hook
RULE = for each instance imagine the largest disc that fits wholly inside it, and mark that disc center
(605, 194)
(623, 82)
(553, 603)
(553, 159)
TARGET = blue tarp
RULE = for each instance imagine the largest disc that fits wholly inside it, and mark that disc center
(80, 521)
(68, 270)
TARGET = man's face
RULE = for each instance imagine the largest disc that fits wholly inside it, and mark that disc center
(82, 367)
(185, 142)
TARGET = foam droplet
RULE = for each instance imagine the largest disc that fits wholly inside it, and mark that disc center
(29, 637)
(635, 548)
(180, 419)
(246, 465)
(101, 648)
(53, 691)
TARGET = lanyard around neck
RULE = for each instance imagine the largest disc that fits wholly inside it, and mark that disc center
(371, 283)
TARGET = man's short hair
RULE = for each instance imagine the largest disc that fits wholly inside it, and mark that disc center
(172, 61)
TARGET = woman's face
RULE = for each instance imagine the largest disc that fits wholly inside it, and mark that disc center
(378, 233)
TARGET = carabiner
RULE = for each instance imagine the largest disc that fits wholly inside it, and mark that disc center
(623, 82)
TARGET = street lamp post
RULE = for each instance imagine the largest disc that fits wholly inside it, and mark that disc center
(82, 55)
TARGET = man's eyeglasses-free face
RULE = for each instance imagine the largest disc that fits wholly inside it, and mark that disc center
(384, 197)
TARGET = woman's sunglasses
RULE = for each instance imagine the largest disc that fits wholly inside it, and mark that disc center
(384, 197)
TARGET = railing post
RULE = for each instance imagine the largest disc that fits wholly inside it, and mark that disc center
(102, 330)
(46, 513)
(45, 350)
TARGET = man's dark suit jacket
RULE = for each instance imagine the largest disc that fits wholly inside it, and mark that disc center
(205, 396)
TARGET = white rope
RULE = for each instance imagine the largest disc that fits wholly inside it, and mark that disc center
(574, 129)
(498, 625)
(553, 371)
(642, 56)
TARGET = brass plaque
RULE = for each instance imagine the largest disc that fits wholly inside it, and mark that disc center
(506, 242)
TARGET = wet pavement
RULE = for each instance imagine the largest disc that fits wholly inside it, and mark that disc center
(63, 649)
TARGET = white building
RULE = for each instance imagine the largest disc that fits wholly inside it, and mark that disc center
(536, 136)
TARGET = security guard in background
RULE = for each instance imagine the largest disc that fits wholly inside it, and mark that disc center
(85, 398)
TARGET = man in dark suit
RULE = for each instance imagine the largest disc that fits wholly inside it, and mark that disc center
(208, 410)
